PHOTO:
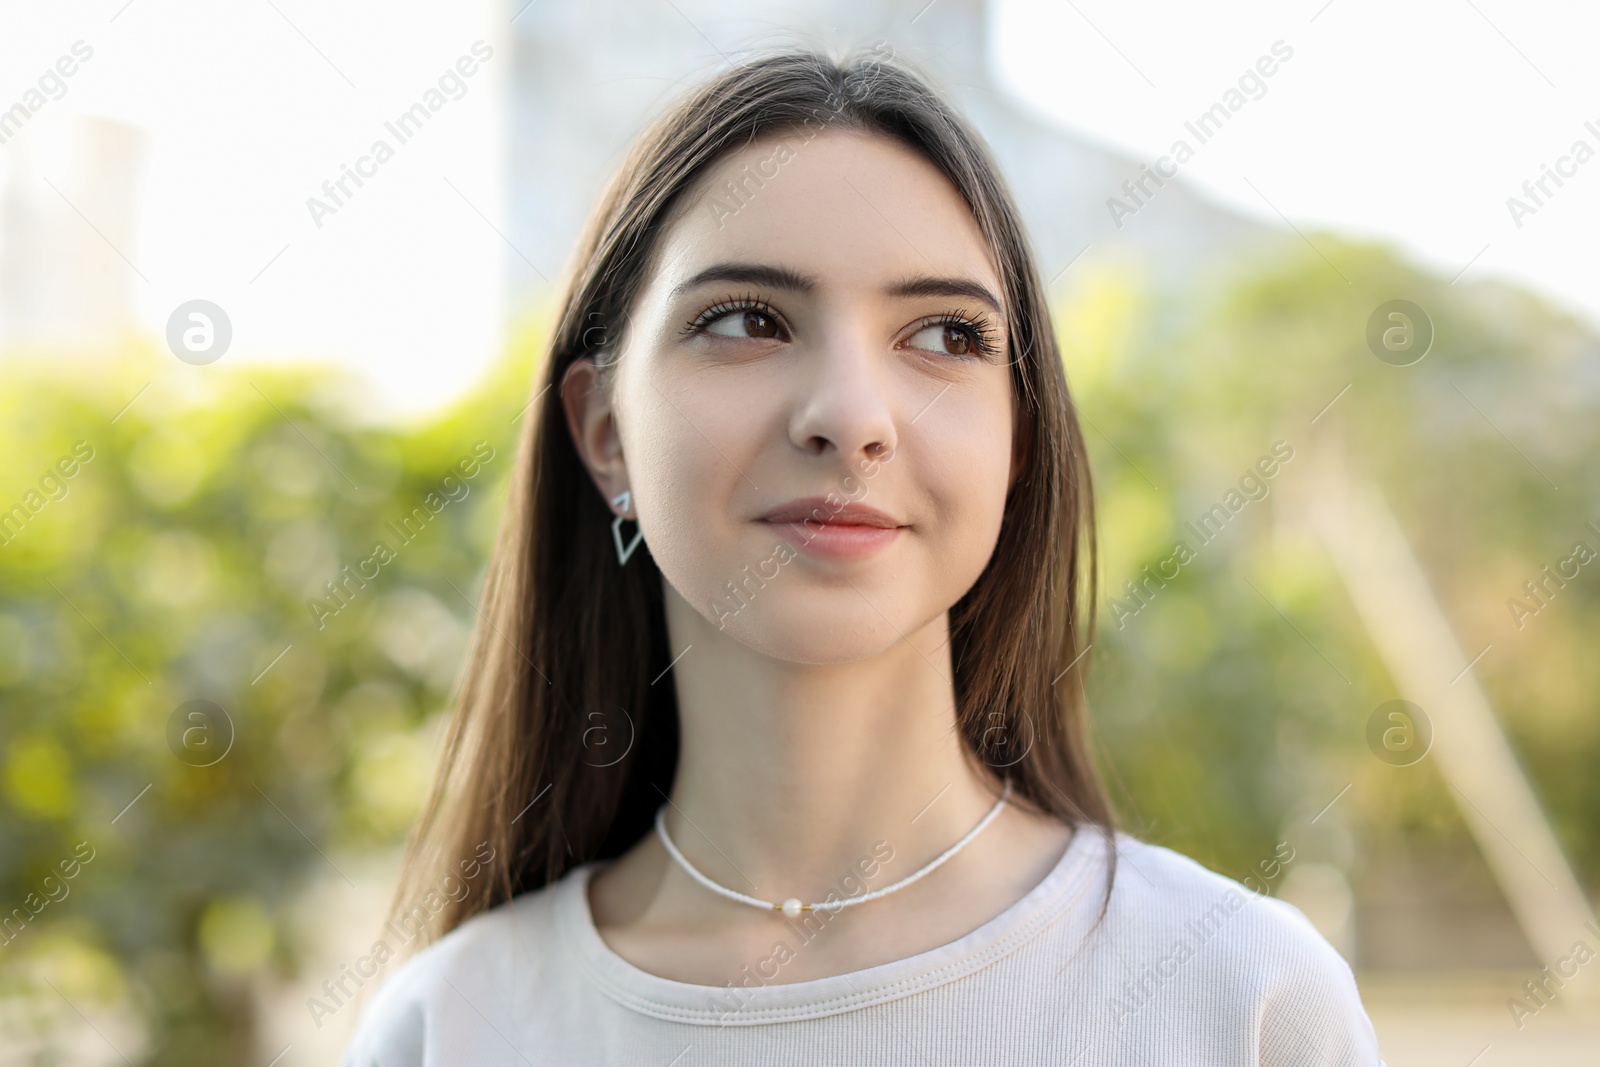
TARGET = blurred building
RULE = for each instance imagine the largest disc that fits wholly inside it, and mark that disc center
(69, 194)
(577, 106)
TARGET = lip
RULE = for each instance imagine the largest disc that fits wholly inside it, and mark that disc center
(816, 507)
(852, 532)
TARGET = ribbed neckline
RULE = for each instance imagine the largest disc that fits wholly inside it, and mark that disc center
(685, 1002)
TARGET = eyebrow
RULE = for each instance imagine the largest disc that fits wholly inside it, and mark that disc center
(784, 278)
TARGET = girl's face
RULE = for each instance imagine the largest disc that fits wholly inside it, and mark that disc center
(821, 345)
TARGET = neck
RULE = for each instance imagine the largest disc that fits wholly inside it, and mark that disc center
(792, 776)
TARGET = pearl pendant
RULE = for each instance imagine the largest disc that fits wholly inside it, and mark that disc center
(791, 907)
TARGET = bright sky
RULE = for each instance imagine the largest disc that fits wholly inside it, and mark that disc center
(1410, 123)
(251, 107)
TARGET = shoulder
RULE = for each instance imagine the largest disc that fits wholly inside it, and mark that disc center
(462, 972)
(1197, 940)
(1173, 892)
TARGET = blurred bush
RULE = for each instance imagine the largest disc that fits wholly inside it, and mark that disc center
(188, 559)
(1236, 701)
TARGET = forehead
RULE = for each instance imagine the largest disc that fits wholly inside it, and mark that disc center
(848, 207)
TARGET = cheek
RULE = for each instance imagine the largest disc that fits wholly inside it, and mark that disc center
(690, 450)
(963, 461)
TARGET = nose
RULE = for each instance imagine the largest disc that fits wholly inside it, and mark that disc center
(845, 404)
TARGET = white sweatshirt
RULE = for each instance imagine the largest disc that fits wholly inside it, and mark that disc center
(1187, 967)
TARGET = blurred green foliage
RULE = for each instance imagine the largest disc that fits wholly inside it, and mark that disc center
(1227, 712)
(177, 563)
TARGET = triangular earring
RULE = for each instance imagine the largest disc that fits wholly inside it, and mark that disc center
(621, 502)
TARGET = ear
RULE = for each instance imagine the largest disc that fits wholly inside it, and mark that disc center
(591, 419)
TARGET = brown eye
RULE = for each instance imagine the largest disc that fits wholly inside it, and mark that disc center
(759, 324)
(748, 323)
(957, 342)
(946, 338)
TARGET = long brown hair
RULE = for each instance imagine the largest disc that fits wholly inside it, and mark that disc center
(569, 643)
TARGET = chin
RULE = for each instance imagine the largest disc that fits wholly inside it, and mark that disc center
(820, 625)
(801, 637)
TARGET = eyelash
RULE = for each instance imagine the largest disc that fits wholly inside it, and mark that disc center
(977, 327)
(749, 302)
